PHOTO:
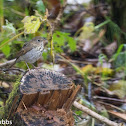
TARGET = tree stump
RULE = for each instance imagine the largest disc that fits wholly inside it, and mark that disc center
(41, 98)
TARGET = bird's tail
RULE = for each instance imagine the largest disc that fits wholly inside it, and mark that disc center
(7, 65)
(12, 64)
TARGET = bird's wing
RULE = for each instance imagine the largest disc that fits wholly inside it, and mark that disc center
(26, 47)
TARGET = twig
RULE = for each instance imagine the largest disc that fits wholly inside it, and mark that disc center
(112, 106)
(76, 61)
(95, 115)
(17, 12)
(52, 26)
(111, 99)
(16, 69)
(7, 63)
(24, 105)
(58, 18)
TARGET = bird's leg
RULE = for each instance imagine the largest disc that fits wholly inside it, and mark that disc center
(33, 65)
(36, 67)
(27, 66)
(29, 69)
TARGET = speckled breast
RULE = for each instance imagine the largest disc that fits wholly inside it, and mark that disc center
(32, 56)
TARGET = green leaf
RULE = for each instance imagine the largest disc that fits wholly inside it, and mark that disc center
(60, 38)
(44, 54)
(44, 35)
(9, 28)
(40, 6)
(72, 43)
(5, 49)
(61, 1)
(118, 51)
(79, 113)
(31, 24)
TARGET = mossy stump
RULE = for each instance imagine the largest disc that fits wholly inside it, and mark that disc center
(41, 98)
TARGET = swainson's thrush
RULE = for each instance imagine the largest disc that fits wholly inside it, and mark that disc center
(31, 51)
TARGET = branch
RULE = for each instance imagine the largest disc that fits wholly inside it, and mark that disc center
(52, 26)
(95, 115)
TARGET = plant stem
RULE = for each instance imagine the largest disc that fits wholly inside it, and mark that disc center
(102, 24)
(1, 15)
(12, 39)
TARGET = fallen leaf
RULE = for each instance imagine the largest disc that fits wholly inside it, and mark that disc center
(87, 30)
(88, 69)
(104, 71)
(118, 88)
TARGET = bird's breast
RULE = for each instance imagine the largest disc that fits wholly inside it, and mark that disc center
(32, 55)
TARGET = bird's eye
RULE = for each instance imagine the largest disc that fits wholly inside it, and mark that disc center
(38, 40)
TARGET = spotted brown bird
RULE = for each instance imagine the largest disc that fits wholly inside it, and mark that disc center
(31, 51)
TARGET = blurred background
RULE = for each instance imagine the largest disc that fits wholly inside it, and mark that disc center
(88, 36)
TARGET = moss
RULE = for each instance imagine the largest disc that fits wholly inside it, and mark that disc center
(1, 112)
(9, 103)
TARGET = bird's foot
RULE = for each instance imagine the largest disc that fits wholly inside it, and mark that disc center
(37, 68)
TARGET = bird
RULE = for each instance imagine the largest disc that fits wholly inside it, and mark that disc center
(31, 51)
